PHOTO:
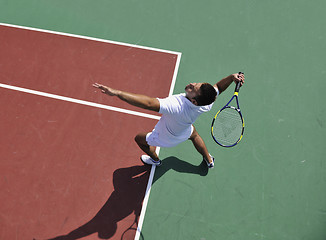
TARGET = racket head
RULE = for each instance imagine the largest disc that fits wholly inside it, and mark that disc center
(228, 126)
(130, 234)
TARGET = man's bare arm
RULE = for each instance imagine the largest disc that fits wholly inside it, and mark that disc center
(137, 100)
(224, 83)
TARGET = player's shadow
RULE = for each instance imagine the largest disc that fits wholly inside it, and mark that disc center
(129, 191)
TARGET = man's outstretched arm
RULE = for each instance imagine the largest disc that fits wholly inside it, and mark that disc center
(224, 83)
(137, 100)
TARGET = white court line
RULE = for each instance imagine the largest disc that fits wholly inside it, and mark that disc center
(91, 38)
(175, 73)
(82, 102)
(150, 180)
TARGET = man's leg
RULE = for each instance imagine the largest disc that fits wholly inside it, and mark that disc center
(142, 143)
(200, 145)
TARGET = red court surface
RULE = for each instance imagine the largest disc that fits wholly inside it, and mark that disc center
(68, 66)
(70, 171)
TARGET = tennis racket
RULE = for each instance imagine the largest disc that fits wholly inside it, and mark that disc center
(228, 124)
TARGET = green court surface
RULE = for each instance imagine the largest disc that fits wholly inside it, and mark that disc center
(271, 186)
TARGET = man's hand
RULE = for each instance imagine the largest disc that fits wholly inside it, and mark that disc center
(238, 77)
(106, 90)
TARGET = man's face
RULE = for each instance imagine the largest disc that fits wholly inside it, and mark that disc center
(192, 90)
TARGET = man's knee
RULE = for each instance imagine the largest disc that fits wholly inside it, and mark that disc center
(140, 138)
(137, 138)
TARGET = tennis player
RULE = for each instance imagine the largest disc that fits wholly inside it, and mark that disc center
(179, 112)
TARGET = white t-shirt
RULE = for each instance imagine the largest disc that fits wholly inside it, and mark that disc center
(178, 115)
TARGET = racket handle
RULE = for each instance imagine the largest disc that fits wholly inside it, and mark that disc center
(238, 85)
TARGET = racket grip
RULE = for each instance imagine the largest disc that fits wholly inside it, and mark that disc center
(238, 85)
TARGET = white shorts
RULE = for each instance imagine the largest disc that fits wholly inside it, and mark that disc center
(162, 138)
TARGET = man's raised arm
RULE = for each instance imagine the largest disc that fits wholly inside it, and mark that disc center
(137, 100)
(224, 83)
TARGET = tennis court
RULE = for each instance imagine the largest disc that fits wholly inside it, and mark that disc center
(70, 168)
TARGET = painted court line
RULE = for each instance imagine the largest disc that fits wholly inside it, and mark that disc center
(91, 38)
(175, 73)
(82, 102)
(146, 198)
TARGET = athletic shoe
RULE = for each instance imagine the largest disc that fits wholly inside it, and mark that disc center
(150, 161)
(209, 165)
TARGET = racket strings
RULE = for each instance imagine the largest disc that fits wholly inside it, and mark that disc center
(227, 128)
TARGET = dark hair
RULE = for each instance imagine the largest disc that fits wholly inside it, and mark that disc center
(207, 95)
